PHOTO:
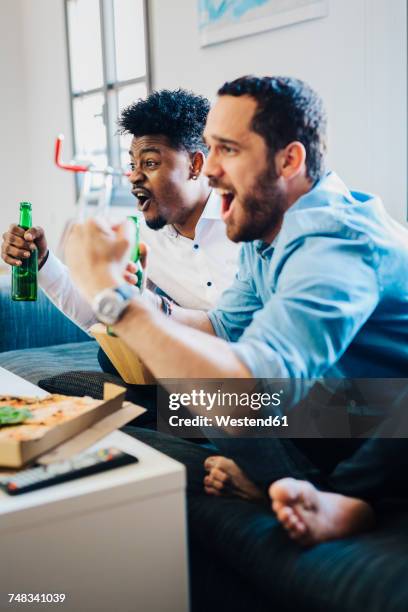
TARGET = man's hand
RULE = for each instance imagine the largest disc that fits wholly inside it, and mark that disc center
(130, 274)
(18, 243)
(97, 255)
(132, 268)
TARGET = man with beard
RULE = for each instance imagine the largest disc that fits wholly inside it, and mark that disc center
(315, 294)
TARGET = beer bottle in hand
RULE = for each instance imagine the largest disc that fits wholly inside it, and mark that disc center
(24, 277)
(134, 256)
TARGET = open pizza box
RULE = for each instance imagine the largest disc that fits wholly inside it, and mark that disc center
(73, 436)
(131, 369)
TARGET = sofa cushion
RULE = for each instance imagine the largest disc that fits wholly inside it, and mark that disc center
(33, 324)
(38, 363)
(366, 572)
(79, 383)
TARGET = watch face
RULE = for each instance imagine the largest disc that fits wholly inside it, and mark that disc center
(109, 304)
(109, 308)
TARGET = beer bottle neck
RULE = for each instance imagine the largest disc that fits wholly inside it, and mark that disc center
(25, 218)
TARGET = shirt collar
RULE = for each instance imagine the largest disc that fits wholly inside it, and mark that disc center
(328, 185)
(265, 249)
(322, 192)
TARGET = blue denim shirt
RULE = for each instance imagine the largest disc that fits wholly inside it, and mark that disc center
(328, 298)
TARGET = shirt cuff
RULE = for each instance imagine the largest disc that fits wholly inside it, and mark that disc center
(217, 325)
(52, 271)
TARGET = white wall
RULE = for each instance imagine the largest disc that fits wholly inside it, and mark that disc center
(33, 66)
(14, 163)
(355, 58)
(51, 190)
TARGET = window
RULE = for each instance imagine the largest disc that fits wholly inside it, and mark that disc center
(108, 65)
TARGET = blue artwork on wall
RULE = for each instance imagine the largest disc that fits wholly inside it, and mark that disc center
(221, 20)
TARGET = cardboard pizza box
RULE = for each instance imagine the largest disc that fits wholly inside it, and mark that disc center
(16, 453)
(131, 369)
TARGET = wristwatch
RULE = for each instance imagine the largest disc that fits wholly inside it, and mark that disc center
(109, 305)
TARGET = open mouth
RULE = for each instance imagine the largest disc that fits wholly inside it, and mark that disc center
(227, 198)
(143, 197)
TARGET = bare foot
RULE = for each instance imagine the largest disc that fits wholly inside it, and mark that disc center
(311, 516)
(226, 478)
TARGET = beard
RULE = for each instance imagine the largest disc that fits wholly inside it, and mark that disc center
(156, 223)
(262, 210)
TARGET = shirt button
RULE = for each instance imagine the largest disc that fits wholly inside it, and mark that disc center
(209, 284)
(196, 246)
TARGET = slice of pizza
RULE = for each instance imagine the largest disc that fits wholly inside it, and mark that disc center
(42, 415)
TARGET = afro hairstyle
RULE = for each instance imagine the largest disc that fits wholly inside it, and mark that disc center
(179, 115)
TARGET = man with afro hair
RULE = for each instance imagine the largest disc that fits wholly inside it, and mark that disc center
(191, 260)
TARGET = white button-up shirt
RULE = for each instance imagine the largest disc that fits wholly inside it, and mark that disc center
(194, 273)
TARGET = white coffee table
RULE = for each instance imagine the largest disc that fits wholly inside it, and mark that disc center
(115, 541)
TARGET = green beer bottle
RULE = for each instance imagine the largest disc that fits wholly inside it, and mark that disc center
(135, 254)
(24, 277)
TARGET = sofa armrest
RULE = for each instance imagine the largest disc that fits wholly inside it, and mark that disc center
(33, 324)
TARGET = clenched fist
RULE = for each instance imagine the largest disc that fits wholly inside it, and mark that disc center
(18, 243)
(97, 255)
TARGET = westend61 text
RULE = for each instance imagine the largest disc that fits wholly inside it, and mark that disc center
(228, 421)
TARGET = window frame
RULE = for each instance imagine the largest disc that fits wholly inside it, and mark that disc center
(109, 88)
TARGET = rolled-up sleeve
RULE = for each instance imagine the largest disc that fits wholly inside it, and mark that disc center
(326, 291)
(237, 305)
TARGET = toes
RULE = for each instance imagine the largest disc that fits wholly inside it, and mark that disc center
(284, 490)
(301, 529)
(216, 478)
(224, 475)
(294, 524)
(209, 463)
(277, 506)
(291, 522)
(213, 483)
(218, 474)
(218, 462)
(284, 515)
(300, 494)
(293, 502)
